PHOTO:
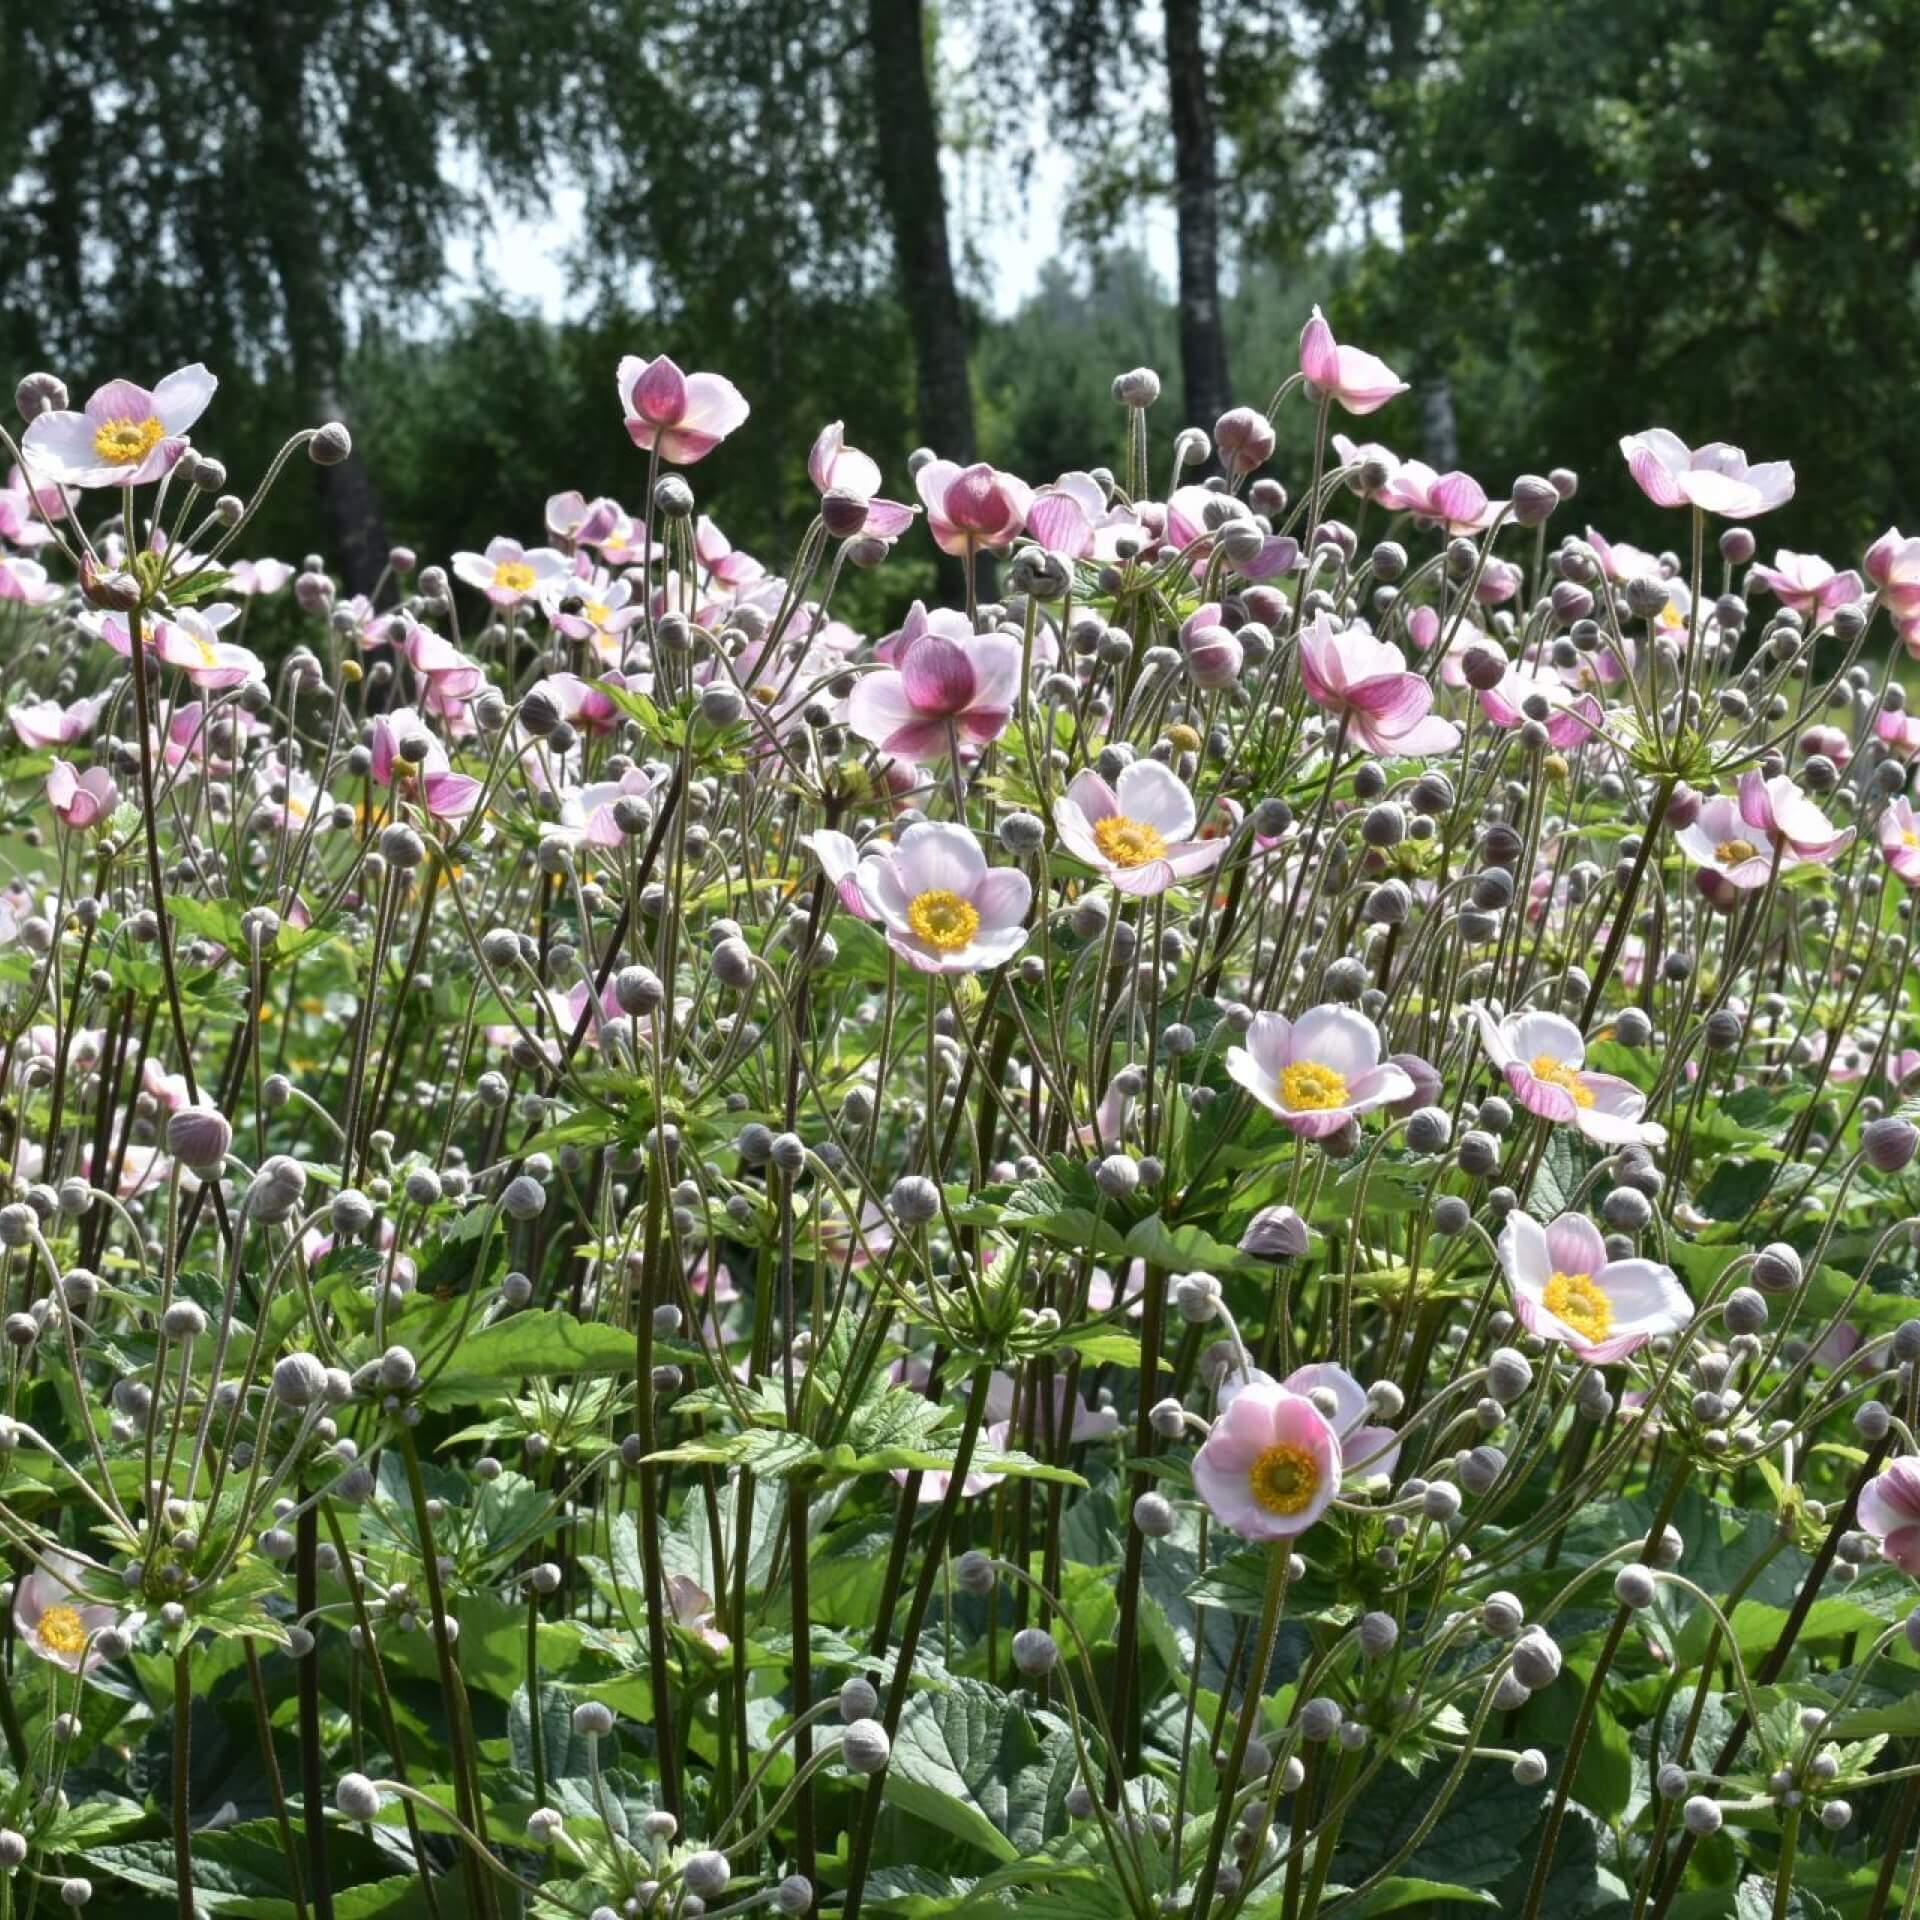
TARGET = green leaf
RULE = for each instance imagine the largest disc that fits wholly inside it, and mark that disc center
(544, 1341)
(980, 1765)
(1182, 1249)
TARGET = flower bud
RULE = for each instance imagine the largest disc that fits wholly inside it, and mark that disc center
(1888, 1145)
(707, 1873)
(1378, 1634)
(276, 1191)
(1777, 1269)
(858, 1701)
(299, 1379)
(1634, 1587)
(593, 1718)
(331, 445)
(1701, 1816)
(199, 1138)
(865, 1747)
(1536, 1659)
(1275, 1233)
(974, 1573)
(40, 393)
(1035, 1652)
(1530, 1767)
(357, 1797)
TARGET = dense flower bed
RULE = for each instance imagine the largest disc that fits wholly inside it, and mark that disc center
(1228, 1235)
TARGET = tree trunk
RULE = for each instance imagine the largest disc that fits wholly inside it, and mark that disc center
(908, 136)
(1203, 342)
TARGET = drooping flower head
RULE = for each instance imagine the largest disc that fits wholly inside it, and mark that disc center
(1808, 584)
(1137, 834)
(1318, 1072)
(1566, 1289)
(1899, 833)
(80, 800)
(125, 437)
(1889, 1509)
(1349, 673)
(969, 508)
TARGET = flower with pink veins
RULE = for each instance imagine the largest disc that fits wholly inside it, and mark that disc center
(1089, 1423)
(422, 771)
(1351, 674)
(947, 690)
(970, 508)
(1890, 1510)
(1893, 565)
(189, 641)
(80, 800)
(832, 463)
(1808, 584)
(1360, 382)
(508, 573)
(1137, 834)
(126, 437)
(1780, 812)
(1455, 501)
(684, 415)
(1271, 1464)
(1899, 832)
(46, 723)
(721, 558)
(948, 622)
(1543, 1060)
(1716, 478)
(840, 861)
(1318, 1072)
(25, 581)
(941, 907)
(1566, 1289)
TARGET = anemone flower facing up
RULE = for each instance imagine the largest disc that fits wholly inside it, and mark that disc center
(126, 437)
(1271, 1464)
(55, 1619)
(1318, 1072)
(1566, 1289)
(508, 573)
(1137, 834)
(943, 909)
(1543, 1060)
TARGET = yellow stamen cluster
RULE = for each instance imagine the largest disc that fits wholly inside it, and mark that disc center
(942, 919)
(1731, 852)
(1573, 1298)
(1128, 843)
(1556, 1073)
(1308, 1087)
(61, 1630)
(125, 443)
(1284, 1479)
(515, 576)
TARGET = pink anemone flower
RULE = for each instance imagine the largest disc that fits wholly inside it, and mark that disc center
(508, 573)
(943, 909)
(1566, 1289)
(972, 507)
(1779, 811)
(1543, 1059)
(26, 581)
(80, 800)
(1721, 843)
(946, 686)
(1899, 833)
(46, 723)
(684, 415)
(1455, 501)
(1366, 1451)
(444, 793)
(1271, 1465)
(1318, 1072)
(1364, 680)
(1138, 834)
(840, 861)
(1716, 478)
(1360, 382)
(54, 1618)
(126, 437)
(1808, 584)
(1890, 1511)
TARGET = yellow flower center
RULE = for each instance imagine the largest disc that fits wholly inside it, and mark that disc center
(1128, 843)
(596, 614)
(1556, 1073)
(515, 575)
(943, 920)
(1910, 839)
(61, 1630)
(1284, 1479)
(127, 442)
(1731, 852)
(1574, 1298)
(765, 694)
(1308, 1087)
